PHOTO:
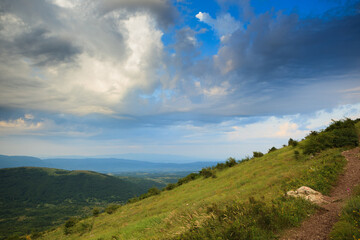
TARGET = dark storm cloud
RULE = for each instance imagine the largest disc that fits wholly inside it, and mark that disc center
(32, 12)
(277, 48)
(44, 49)
(39, 39)
(163, 10)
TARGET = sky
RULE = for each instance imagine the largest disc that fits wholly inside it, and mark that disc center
(201, 79)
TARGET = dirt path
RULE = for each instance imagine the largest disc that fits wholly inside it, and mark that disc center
(319, 225)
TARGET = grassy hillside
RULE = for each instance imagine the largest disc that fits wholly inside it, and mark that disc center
(348, 228)
(240, 201)
(36, 198)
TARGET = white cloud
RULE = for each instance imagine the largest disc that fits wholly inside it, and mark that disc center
(272, 127)
(223, 25)
(29, 116)
(64, 3)
(19, 125)
(217, 91)
(11, 26)
(121, 54)
(324, 117)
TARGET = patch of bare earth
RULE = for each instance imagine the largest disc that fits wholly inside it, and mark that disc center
(319, 225)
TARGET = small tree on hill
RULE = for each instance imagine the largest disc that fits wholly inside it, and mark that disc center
(292, 142)
(257, 154)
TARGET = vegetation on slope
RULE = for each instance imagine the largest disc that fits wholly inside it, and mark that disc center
(33, 199)
(246, 199)
(348, 228)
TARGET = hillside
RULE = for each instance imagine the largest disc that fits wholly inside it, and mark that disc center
(241, 200)
(36, 198)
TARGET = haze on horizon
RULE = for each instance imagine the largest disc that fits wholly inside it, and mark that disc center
(204, 79)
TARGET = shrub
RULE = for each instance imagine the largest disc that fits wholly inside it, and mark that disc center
(170, 186)
(297, 154)
(69, 225)
(292, 142)
(272, 149)
(71, 222)
(230, 162)
(257, 154)
(220, 166)
(153, 191)
(96, 212)
(247, 158)
(36, 235)
(207, 172)
(133, 200)
(339, 134)
(111, 208)
(188, 178)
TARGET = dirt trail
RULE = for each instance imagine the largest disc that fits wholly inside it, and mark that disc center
(319, 225)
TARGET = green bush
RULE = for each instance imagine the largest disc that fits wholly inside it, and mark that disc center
(69, 225)
(297, 154)
(292, 142)
(153, 191)
(111, 208)
(96, 211)
(257, 154)
(247, 158)
(339, 134)
(207, 172)
(272, 149)
(170, 186)
(230, 162)
(188, 178)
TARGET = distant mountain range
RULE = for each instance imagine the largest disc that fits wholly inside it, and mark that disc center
(105, 165)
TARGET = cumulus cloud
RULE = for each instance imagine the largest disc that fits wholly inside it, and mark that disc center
(223, 25)
(78, 57)
(83, 57)
(19, 126)
(164, 12)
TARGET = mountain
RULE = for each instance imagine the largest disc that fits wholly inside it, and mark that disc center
(233, 200)
(20, 161)
(34, 198)
(146, 157)
(162, 158)
(100, 164)
(39, 185)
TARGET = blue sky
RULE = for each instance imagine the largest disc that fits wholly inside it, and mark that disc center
(202, 79)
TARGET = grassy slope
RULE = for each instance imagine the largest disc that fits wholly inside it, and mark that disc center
(170, 213)
(348, 227)
(174, 212)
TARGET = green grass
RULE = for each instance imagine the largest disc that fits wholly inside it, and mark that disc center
(173, 212)
(246, 199)
(348, 228)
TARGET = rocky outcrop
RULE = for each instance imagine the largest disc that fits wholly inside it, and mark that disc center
(308, 194)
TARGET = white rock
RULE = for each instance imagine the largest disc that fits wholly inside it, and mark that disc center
(308, 194)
